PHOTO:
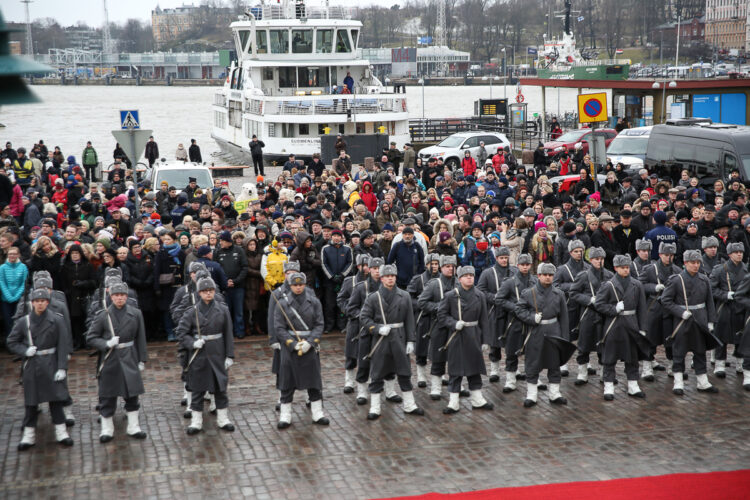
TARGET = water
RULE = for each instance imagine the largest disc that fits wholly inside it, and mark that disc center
(68, 116)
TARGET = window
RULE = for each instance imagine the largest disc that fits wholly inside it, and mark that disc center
(355, 36)
(268, 73)
(304, 129)
(361, 128)
(342, 41)
(287, 77)
(324, 41)
(271, 130)
(313, 77)
(279, 41)
(490, 139)
(471, 142)
(302, 41)
(235, 114)
(322, 128)
(244, 37)
(261, 41)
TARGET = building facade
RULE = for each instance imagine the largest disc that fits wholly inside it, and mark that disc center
(727, 24)
(170, 24)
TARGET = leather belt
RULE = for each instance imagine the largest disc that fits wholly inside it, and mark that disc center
(44, 352)
(125, 345)
(548, 321)
(215, 336)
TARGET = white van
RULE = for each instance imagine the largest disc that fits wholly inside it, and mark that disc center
(629, 147)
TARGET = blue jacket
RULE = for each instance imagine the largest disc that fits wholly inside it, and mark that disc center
(13, 280)
(480, 261)
(409, 259)
(217, 272)
(660, 234)
(336, 261)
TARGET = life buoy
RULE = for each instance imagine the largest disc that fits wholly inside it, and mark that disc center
(519, 98)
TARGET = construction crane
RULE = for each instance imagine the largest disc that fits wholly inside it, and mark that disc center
(107, 38)
(441, 39)
(29, 41)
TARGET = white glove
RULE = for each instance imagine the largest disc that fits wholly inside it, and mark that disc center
(593, 299)
(59, 375)
(642, 332)
(141, 366)
(113, 341)
(659, 288)
(686, 314)
(303, 346)
(485, 348)
(384, 330)
(730, 295)
(460, 325)
(538, 318)
(409, 348)
(228, 362)
(276, 346)
(710, 327)
(198, 343)
(620, 307)
(30, 352)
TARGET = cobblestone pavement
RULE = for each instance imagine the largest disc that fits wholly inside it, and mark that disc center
(353, 458)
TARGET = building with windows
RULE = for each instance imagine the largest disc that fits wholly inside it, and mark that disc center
(728, 24)
(691, 30)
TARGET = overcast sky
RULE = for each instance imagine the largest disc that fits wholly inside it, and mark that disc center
(69, 12)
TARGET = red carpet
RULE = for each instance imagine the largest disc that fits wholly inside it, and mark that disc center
(709, 486)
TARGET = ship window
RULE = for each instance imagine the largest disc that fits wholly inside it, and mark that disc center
(302, 41)
(324, 41)
(355, 37)
(322, 128)
(261, 41)
(342, 41)
(268, 73)
(304, 129)
(244, 37)
(287, 77)
(313, 77)
(279, 41)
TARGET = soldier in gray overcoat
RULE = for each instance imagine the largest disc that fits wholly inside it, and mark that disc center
(464, 313)
(742, 343)
(622, 302)
(353, 308)
(207, 331)
(512, 334)
(298, 326)
(428, 303)
(58, 304)
(542, 308)
(565, 277)
(387, 316)
(489, 284)
(642, 259)
(724, 279)
(583, 293)
(41, 339)
(351, 346)
(711, 257)
(688, 299)
(290, 267)
(415, 289)
(119, 335)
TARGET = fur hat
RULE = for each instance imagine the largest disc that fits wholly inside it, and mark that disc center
(735, 247)
(573, 244)
(546, 268)
(622, 260)
(709, 242)
(196, 266)
(643, 244)
(291, 266)
(691, 255)
(206, 284)
(502, 252)
(430, 257)
(40, 294)
(297, 278)
(119, 287)
(389, 270)
(462, 270)
(524, 258)
(376, 262)
(363, 259)
(447, 260)
(667, 248)
(595, 252)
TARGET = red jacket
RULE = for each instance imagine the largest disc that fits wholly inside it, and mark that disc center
(469, 165)
(564, 166)
(16, 205)
(366, 195)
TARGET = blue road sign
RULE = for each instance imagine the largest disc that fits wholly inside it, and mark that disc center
(129, 119)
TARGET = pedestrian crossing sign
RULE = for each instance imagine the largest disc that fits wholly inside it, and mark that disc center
(129, 119)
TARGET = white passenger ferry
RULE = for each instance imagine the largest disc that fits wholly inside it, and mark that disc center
(297, 78)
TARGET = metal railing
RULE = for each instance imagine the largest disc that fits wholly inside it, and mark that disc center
(329, 105)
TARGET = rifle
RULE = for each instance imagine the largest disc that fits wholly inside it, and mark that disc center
(198, 326)
(687, 308)
(112, 331)
(609, 328)
(528, 335)
(288, 321)
(447, 343)
(382, 315)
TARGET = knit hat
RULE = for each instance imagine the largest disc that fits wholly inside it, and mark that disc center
(444, 236)
(203, 251)
(539, 225)
(660, 218)
(226, 236)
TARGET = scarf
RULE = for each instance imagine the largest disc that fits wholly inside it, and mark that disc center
(173, 250)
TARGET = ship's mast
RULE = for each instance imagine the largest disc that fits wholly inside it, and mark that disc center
(567, 17)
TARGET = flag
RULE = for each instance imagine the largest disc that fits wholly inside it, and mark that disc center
(618, 51)
(424, 40)
(531, 51)
(580, 18)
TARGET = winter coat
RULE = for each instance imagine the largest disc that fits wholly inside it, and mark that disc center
(465, 356)
(254, 281)
(367, 196)
(308, 258)
(165, 264)
(78, 281)
(140, 278)
(514, 242)
(13, 280)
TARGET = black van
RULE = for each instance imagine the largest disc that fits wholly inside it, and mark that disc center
(708, 151)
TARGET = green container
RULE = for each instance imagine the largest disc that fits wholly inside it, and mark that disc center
(587, 72)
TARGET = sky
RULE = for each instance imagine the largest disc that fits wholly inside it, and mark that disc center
(69, 12)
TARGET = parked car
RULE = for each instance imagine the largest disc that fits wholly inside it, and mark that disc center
(629, 148)
(571, 138)
(566, 182)
(452, 148)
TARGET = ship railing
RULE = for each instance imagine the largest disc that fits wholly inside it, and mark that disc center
(297, 12)
(330, 105)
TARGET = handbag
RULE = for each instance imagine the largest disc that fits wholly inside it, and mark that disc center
(166, 279)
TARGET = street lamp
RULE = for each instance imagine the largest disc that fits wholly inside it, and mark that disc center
(421, 82)
(505, 76)
(490, 78)
(663, 86)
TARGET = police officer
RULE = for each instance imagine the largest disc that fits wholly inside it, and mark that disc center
(42, 340)
(428, 303)
(622, 302)
(351, 345)
(489, 284)
(207, 331)
(542, 308)
(298, 326)
(583, 293)
(687, 297)
(512, 335)
(364, 344)
(120, 336)
(393, 340)
(464, 312)
(724, 279)
(415, 289)
(654, 279)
